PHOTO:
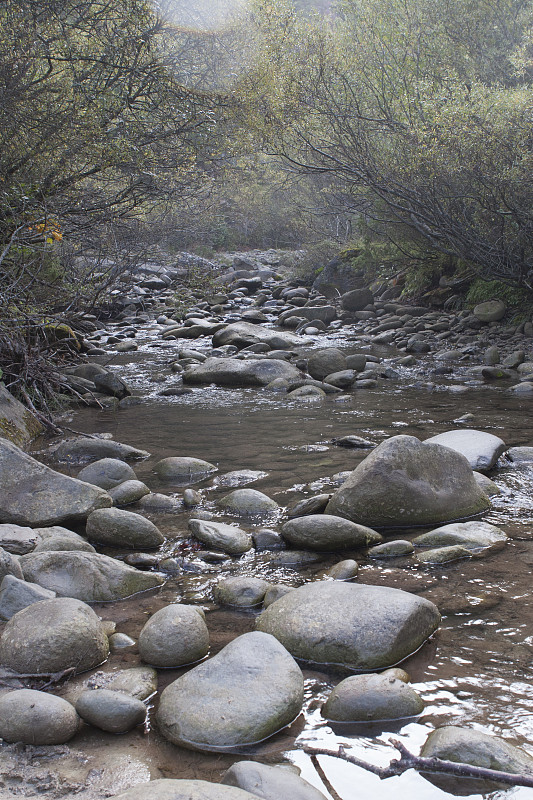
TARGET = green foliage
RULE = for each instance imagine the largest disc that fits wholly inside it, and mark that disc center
(314, 259)
(480, 291)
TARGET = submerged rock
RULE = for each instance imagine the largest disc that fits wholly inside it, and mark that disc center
(183, 470)
(85, 449)
(406, 482)
(369, 698)
(481, 449)
(358, 626)
(250, 690)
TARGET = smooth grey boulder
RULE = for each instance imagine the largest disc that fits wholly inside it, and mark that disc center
(91, 577)
(270, 782)
(107, 473)
(54, 635)
(343, 570)
(250, 690)
(398, 547)
(183, 470)
(237, 372)
(128, 492)
(490, 311)
(33, 494)
(169, 789)
(351, 624)
(16, 594)
(481, 449)
(327, 532)
(111, 711)
(469, 746)
(228, 538)
(239, 477)
(487, 486)
(357, 299)
(406, 482)
(85, 449)
(520, 455)
(369, 698)
(243, 334)
(311, 505)
(243, 591)
(36, 718)
(18, 539)
(173, 636)
(444, 555)
(247, 503)
(58, 538)
(472, 535)
(117, 528)
(324, 362)
(9, 565)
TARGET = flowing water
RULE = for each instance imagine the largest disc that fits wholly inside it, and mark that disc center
(475, 671)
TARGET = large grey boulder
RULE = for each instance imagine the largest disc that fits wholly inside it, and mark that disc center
(169, 789)
(230, 539)
(270, 782)
(481, 449)
(36, 718)
(357, 299)
(490, 311)
(183, 469)
(252, 689)
(56, 537)
(53, 635)
(117, 528)
(324, 362)
(326, 532)
(406, 482)
(173, 636)
(33, 494)
(237, 372)
(243, 334)
(474, 535)
(84, 449)
(354, 625)
(369, 698)
(107, 473)
(91, 577)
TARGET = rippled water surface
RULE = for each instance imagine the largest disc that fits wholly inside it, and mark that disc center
(475, 671)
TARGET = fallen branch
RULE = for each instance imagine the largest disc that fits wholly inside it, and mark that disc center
(53, 677)
(408, 760)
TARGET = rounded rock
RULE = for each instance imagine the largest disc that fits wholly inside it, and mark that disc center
(327, 532)
(112, 526)
(36, 718)
(174, 636)
(241, 592)
(183, 470)
(372, 698)
(107, 473)
(170, 789)
(248, 502)
(111, 711)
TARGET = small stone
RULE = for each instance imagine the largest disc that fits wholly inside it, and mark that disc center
(174, 636)
(398, 547)
(444, 555)
(111, 711)
(36, 718)
(128, 492)
(247, 502)
(241, 592)
(371, 698)
(343, 571)
(117, 528)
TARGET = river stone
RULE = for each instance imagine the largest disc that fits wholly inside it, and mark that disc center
(342, 380)
(270, 782)
(243, 591)
(487, 486)
(398, 547)
(343, 570)
(472, 535)
(444, 555)
(16, 594)
(239, 477)
(274, 592)
(33, 494)
(520, 455)
(53, 635)
(311, 505)
(117, 528)
(247, 502)
(327, 532)
(324, 362)
(452, 743)
(155, 501)
(490, 311)
(249, 691)
(18, 539)
(183, 470)
(170, 789)
(406, 482)
(85, 449)
(58, 538)
(36, 718)
(357, 299)
(128, 492)
(351, 624)
(114, 712)
(91, 577)
(237, 372)
(243, 334)
(173, 636)
(372, 698)
(9, 565)
(481, 449)
(223, 537)
(106, 473)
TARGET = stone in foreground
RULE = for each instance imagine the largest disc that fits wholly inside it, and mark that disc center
(115, 712)
(36, 718)
(173, 636)
(406, 482)
(481, 449)
(53, 635)
(90, 577)
(169, 789)
(354, 625)
(249, 691)
(372, 698)
(270, 782)
(33, 494)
